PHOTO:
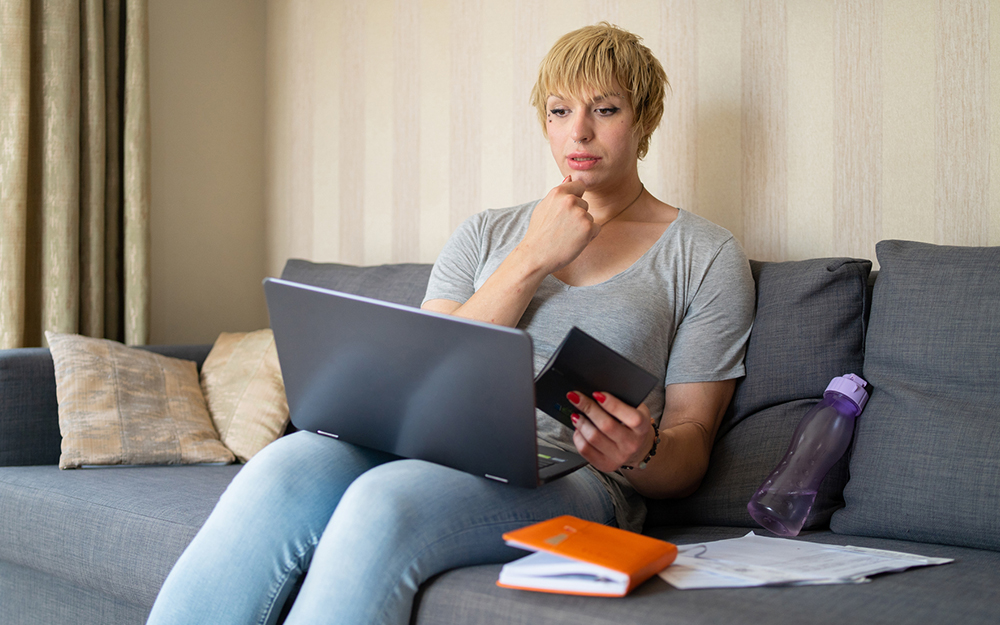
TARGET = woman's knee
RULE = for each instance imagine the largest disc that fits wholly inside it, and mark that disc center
(276, 465)
(300, 467)
(399, 495)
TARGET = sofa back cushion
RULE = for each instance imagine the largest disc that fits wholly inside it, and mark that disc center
(926, 458)
(809, 328)
(403, 283)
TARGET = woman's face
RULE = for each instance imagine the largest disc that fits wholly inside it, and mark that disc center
(591, 137)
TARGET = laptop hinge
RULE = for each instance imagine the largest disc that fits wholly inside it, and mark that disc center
(498, 479)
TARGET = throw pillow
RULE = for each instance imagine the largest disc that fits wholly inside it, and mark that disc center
(241, 380)
(925, 464)
(121, 405)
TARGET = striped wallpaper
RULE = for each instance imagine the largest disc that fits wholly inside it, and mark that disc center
(808, 128)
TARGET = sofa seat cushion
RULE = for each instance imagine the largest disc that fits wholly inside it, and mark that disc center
(926, 457)
(960, 592)
(809, 328)
(115, 530)
(31, 597)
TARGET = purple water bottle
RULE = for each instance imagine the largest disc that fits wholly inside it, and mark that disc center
(783, 501)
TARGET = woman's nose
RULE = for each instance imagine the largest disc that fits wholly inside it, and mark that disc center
(581, 131)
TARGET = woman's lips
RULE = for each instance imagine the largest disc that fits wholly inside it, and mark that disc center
(581, 162)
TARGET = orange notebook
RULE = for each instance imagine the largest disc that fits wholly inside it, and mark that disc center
(580, 557)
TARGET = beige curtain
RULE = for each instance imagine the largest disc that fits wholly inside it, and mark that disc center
(74, 170)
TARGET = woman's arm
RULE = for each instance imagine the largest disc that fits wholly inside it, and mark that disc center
(504, 296)
(613, 434)
(560, 228)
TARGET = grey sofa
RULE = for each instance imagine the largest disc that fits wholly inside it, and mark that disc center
(922, 475)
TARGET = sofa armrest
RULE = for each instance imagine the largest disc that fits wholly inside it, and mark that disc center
(29, 413)
(29, 417)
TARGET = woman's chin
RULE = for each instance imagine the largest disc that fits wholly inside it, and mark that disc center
(586, 177)
(593, 181)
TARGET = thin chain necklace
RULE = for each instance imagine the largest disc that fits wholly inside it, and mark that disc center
(642, 188)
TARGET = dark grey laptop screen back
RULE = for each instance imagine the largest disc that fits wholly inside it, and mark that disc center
(409, 382)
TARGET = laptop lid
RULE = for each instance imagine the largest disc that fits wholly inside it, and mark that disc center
(410, 382)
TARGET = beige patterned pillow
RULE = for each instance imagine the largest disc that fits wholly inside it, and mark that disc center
(244, 391)
(121, 405)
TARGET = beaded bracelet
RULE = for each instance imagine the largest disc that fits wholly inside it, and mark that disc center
(652, 452)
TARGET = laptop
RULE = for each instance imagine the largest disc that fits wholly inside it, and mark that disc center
(413, 383)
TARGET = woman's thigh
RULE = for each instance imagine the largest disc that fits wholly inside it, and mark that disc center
(401, 523)
(261, 535)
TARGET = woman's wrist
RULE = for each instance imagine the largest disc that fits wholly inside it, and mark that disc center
(652, 451)
(531, 265)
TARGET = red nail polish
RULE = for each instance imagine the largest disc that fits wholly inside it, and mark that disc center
(599, 397)
(573, 397)
(575, 418)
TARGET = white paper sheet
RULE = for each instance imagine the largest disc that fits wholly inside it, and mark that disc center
(763, 561)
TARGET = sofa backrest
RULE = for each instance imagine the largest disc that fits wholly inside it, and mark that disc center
(403, 283)
(809, 328)
(926, 460)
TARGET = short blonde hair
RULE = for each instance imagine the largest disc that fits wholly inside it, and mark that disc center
(593, 57)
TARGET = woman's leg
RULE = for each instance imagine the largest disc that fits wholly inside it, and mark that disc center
(260, 537)
(403, 522)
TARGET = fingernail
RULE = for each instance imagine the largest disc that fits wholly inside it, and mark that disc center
(575, 418)
(599, 397)
(566, 179)
(573, 397)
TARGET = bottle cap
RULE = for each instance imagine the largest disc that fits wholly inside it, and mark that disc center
(852, 387)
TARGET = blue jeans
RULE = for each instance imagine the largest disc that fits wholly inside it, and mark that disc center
(369, 530)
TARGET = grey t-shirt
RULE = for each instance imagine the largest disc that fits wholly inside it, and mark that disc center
(683, 311)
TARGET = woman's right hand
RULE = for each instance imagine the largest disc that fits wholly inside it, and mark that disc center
(560, 227)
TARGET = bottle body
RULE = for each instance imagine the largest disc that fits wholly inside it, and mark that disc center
(784, 500)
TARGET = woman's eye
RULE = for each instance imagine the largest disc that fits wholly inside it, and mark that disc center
(608, 111)
(558, 112)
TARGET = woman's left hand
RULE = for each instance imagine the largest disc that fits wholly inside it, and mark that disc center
(610, 433)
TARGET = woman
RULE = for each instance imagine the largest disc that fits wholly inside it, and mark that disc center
(667, 289)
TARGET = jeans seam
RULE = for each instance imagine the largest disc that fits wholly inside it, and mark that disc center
(283, 578)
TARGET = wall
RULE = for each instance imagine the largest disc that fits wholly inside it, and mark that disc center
(207, 214)
(808, 128)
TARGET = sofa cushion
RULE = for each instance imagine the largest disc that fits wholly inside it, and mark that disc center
(241, 379)
(34, 598)
(29, 429)
(961, 592)
(926, 459)
(809, 328)
(403, 283)
(113, 530)
(121, 405)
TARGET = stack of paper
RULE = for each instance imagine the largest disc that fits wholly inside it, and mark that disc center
(761, 561)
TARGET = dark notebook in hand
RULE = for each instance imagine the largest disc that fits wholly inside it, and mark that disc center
(584, 364)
